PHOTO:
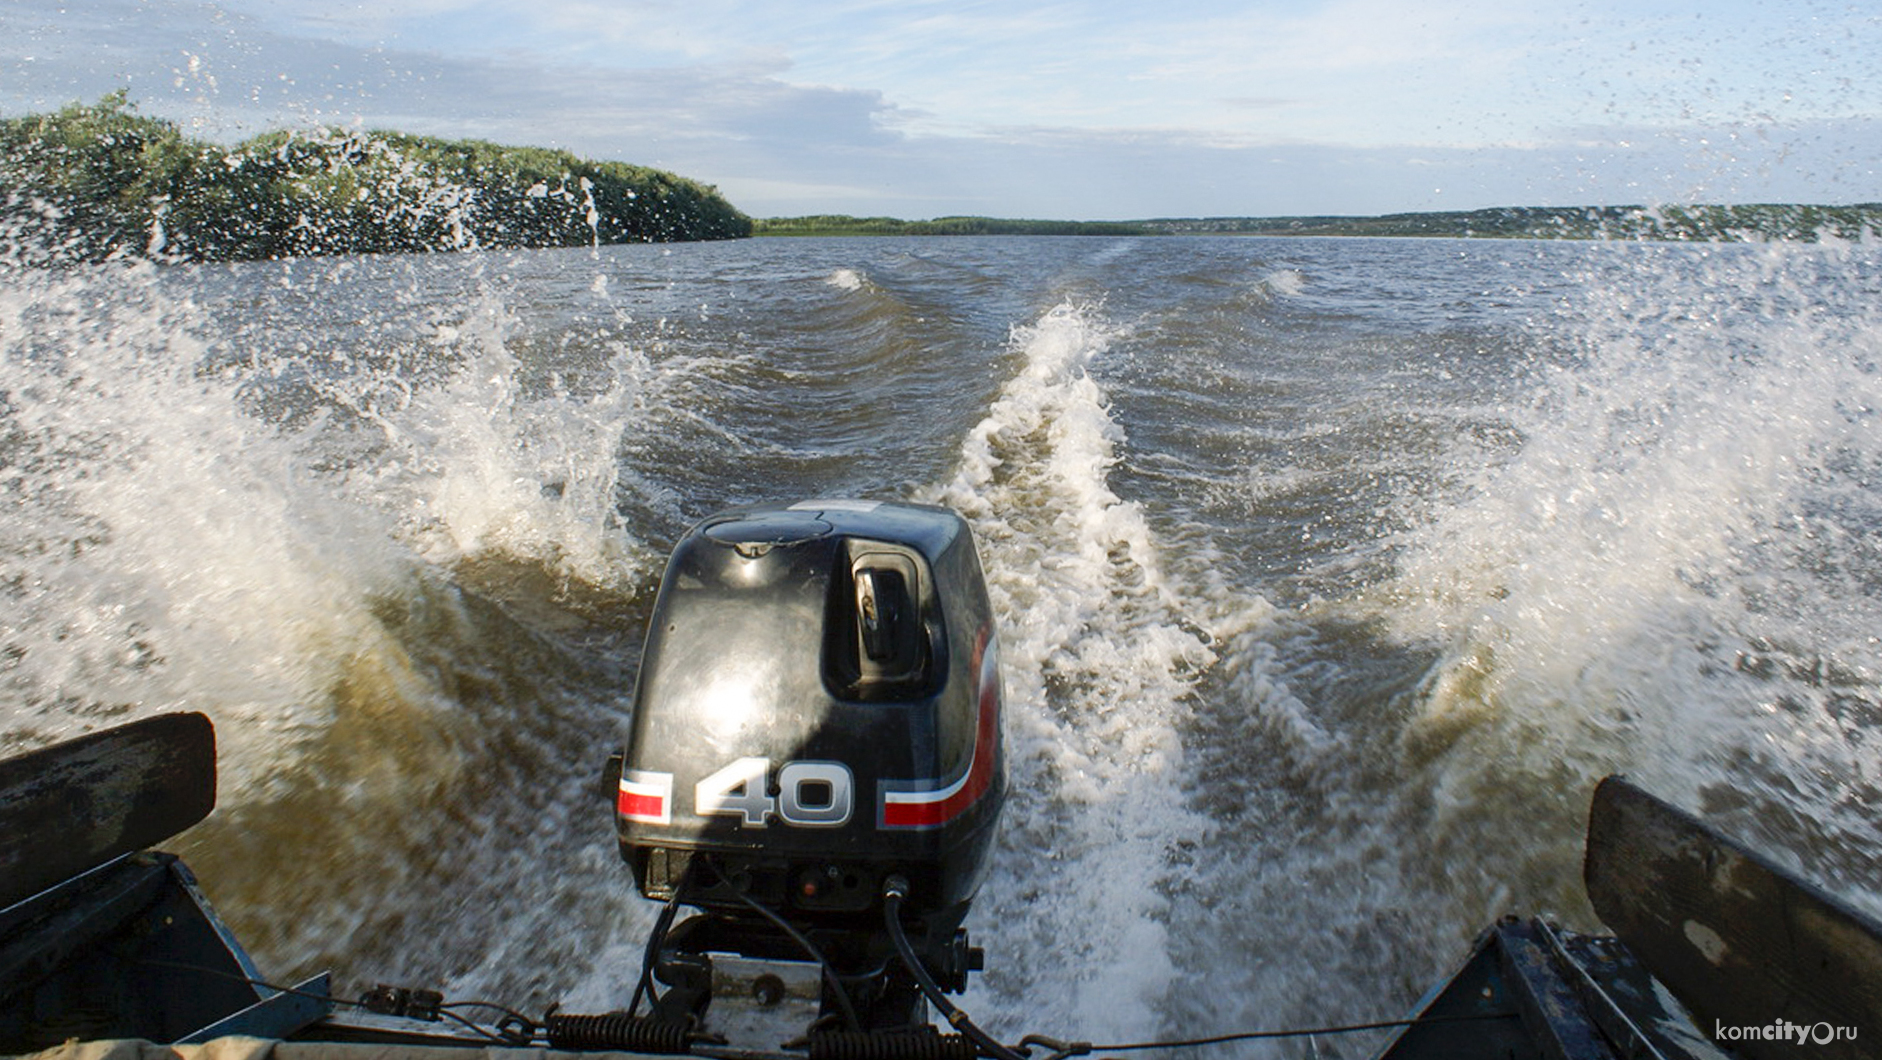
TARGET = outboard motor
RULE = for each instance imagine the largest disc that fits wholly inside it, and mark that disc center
(817, 724)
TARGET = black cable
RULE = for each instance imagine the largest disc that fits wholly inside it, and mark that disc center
(526, 1027)
(894, 889)
(829, 972)
(1244, 1036)
(490, 1035)
(505, 1009)
(661, 925)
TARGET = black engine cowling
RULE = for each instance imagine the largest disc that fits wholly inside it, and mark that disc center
(818, 710)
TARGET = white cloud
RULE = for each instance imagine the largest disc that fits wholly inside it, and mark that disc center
(1028, 108)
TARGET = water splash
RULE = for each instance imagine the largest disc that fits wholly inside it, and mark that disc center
(164, 551)
(486, 464)
(300, 542)
(1673, 576)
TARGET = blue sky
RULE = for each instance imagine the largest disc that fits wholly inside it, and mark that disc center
(1035, 108)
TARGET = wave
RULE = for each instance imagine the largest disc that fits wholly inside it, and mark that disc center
(1309, 669)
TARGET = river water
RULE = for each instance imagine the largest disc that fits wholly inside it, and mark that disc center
(1331, 575)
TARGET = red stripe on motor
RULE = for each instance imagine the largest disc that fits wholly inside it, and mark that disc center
(643, 807)
(928, 809)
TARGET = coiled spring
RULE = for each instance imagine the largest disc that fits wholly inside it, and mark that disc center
(926, 1043)
(617, 1032)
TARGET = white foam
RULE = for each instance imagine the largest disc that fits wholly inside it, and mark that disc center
(1097, 669)
(168, 549)
(847, 280)
(1676, 487)
(1288, 283)
(484, 465)
(163, 549)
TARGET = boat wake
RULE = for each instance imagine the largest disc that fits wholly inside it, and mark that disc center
(1099, 665)
(1296, 663)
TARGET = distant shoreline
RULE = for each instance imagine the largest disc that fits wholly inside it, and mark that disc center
(92, 182)
(1698, 223)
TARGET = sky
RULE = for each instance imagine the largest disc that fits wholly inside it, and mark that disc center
(1037, 108)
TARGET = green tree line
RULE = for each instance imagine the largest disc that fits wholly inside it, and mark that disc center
(843, 225)
(95, 180)
(1706, 223)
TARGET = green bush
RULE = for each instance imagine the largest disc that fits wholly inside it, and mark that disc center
(92, 181)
